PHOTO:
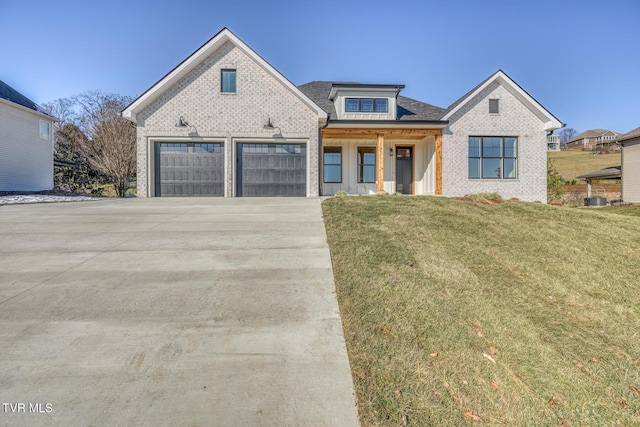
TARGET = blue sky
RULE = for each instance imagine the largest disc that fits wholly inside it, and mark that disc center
(580, 59)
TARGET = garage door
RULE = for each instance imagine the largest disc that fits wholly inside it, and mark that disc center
(267, 170)
(183, 169)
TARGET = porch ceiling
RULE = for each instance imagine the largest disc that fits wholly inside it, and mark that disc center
(372, 133)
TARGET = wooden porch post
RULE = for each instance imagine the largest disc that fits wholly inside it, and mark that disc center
(380, 162)
(439, 164)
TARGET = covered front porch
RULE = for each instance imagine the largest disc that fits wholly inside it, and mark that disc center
(372, 160)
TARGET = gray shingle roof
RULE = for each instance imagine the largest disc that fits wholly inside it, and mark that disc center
(612, 172)
(408, 109)
(630, 135)
(10, 94)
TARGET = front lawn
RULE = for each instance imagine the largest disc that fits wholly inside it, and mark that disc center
(457, 312)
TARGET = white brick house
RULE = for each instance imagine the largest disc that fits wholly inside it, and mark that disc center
(226, 123)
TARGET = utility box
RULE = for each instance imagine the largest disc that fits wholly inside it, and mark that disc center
(595, 201)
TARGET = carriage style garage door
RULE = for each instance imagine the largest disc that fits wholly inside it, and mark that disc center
(266, 170)
(189, 169)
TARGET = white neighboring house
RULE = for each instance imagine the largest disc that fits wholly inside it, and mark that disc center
(630, 166)
(224, 122)
(26, 143)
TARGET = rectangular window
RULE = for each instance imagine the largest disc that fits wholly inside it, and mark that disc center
(332, 164)
(228, 81)
(366, 105)
(381, 105)
(45, 130)
(494, 106)
(493, 157)
(366, 164)
(351, 105)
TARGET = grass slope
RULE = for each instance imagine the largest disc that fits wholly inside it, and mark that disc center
(462, 313)
(572, 163)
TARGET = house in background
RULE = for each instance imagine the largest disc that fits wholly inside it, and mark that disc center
(553, 142)
(630, 166)
(26, 143)
(224, 122)
(592, 139)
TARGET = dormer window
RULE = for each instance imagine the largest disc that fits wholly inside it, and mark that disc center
(366, 105)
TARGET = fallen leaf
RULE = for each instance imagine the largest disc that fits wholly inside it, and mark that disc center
(624, 403)
(465, 382)
(398, 393)
(593, 360)
(563, 423)
(494, 385)
(469, 414)
(619, 423)
(634, 389)
(552, 401)
(488, 357)
(405, 420)
(434, 354)
(476, 327)
(493, 350)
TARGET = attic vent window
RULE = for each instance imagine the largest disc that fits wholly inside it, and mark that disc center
(494, 106)
(228, 81)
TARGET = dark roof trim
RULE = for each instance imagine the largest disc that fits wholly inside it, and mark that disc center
(7, 93)
(365, 86)
(391, 123)
(612, 172)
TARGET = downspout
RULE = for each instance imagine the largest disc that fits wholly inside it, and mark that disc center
(320, 171)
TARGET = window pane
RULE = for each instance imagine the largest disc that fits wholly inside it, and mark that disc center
(366, 105)
(510, 147)
(44, 129)
(491, 168)
(370, 158)
(228, 80)
(474, 168)
(494, 106)
(491, 147)
(366, 164)
(351, 105)
(380, 106)
(474, 146)
(332, 173)
(510, 168)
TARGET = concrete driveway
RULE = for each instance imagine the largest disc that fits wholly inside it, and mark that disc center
(191, 312)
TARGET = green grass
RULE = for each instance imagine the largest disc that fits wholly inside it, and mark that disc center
(429, 287)
(570, 164)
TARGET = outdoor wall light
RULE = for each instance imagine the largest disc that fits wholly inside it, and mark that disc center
(390, 152)
(182, 123)
(269, 125)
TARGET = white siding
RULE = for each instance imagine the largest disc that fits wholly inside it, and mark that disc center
(339, 103)
(26, 160)
(423, 166)
(631, 171)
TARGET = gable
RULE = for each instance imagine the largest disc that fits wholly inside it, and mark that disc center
(194, 60)
(500, 78)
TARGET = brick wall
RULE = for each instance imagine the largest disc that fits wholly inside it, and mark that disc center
(228, 117)
(514, 119)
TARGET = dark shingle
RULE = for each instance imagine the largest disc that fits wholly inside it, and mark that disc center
(10, 94)
(408, 109)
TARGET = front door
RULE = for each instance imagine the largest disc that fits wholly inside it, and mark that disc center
(404, 170)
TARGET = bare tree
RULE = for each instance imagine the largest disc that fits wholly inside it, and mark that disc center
(63, 109)
(111, 148)
(565, 136)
